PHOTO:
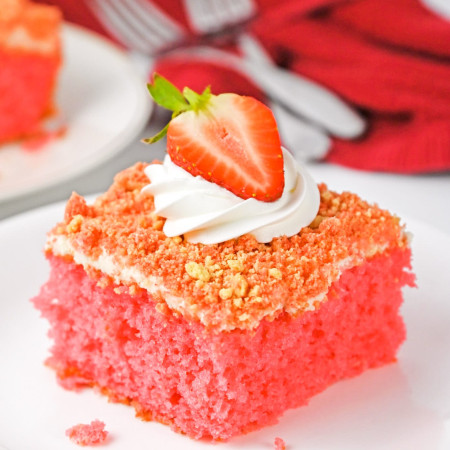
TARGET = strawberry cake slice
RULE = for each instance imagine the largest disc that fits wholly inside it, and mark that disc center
(30, 58)
(207, 308)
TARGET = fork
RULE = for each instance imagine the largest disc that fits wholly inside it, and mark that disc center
(210, 16)
(317, 105)
(305, 140)
(139, 24)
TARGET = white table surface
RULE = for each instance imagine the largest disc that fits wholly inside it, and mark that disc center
(421, 197)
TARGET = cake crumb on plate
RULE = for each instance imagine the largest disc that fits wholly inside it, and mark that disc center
(279, 444)
(88, 434)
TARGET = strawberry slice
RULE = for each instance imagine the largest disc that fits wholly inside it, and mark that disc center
(228, 139)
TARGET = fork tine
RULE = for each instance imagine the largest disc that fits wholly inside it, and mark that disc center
(158, 20)
(202, 15)
(149, 35)
(115, 24)
(137, 24)
(224, 13)
(241, 9)
(154, 27)
(208, 16)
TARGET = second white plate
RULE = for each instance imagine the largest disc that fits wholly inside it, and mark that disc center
(104, 103)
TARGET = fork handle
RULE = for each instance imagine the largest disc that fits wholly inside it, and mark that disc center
(307, 99)
(299, 95)
(255, 54)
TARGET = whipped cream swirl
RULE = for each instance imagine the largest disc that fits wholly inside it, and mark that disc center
(207, 213)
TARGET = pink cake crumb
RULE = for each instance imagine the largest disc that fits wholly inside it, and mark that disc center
(279, 444)
(88, 434)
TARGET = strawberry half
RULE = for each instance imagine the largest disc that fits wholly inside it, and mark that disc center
(228, 139)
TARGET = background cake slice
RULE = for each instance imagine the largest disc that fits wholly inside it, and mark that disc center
(218, 340)
(30, 58)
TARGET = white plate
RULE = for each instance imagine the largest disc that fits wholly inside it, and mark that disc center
(401, 406)
(105, 105)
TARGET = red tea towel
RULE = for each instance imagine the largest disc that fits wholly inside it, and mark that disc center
(405, 94)
(390, 59)
(401, 23)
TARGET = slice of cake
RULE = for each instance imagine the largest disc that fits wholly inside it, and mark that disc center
(30, 57)
(217, 330)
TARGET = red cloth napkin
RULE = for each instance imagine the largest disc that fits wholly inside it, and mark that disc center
(405, 94)
(390, 59)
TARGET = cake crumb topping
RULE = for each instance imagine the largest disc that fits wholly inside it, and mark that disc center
(225, 293)
(275, 273)
(240, 285)
(75, 224)
(234, 284)
(197, 271)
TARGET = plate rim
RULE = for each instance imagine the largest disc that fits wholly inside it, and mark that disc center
(143, 110)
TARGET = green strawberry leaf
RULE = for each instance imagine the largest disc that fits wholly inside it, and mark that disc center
(197, 102)
(165, 94)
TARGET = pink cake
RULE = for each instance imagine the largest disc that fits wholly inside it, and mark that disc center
(30, 60)
(218, 340)
(88, 434)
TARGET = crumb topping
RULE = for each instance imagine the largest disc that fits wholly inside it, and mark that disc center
(234, 284)
(29, 26)
(197, 271)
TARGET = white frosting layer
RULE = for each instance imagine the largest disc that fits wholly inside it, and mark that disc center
(207, 213)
